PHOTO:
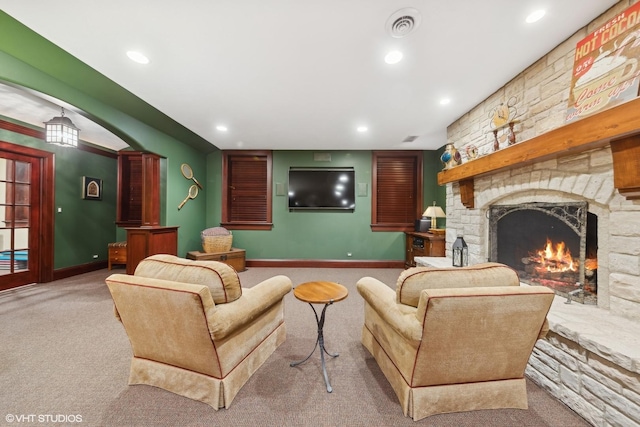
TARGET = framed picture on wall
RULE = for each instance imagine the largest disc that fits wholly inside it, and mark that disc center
(91, 188)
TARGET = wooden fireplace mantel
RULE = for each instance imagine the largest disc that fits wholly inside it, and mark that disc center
(618, 126)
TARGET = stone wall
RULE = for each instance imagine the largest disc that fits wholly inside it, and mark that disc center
(541, 95)
(591, 358)
(588, 368)
(542, 91)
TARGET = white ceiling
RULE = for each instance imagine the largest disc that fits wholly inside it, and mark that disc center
(35, 109)
(293, 74)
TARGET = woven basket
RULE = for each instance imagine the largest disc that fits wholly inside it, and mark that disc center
(212, 244)
(217, 239)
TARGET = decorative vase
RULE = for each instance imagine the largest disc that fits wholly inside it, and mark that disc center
(450, 157)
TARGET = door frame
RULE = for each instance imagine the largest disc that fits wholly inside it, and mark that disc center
(45, 243)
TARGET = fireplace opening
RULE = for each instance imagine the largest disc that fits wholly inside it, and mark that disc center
(550, 244)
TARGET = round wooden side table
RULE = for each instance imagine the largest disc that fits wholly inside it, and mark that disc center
(320, 293)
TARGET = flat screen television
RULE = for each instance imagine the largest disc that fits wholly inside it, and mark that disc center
(322, 188)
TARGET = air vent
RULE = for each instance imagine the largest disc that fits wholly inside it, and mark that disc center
(321, 157)
(403, 22)
(410, 138)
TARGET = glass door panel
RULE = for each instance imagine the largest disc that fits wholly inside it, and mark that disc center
(15, 197)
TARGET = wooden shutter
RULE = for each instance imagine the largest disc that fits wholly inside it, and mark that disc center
(247, 196)
(397, 197)
(248, 189)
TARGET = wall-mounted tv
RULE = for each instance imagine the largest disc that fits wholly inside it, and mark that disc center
(322, 188)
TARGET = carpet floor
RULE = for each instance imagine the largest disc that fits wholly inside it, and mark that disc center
(64, 360)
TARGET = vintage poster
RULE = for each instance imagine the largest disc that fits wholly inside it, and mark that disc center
(605, 70)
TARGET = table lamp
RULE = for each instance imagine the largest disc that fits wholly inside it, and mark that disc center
(434, 212)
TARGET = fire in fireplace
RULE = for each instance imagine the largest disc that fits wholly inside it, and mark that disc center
(550, 244)
(553, 259)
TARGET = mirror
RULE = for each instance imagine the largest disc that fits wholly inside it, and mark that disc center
(193, 193)
(187, 172)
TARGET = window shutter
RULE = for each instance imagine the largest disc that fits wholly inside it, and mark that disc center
(246, 196)
(397, 190)
(248, 189)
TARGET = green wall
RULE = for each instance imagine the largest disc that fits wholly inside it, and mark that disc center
(84, 227)
(321, 234)
(32, 62)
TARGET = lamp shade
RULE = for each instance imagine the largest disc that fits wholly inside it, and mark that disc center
(434, 212)
(61, 131)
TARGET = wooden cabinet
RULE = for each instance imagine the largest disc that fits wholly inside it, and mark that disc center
(117, 253)
(422, 244)
(146, 241)
(138, 201)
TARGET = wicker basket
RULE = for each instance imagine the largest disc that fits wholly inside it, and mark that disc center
(216, 239)
(212, 244)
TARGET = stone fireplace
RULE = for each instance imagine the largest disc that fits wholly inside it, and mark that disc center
(595, 162)
(590, 359)
(549, 244)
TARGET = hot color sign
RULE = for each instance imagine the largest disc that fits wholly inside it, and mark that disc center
(605, 69)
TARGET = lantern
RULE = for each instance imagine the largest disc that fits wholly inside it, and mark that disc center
(460, 252)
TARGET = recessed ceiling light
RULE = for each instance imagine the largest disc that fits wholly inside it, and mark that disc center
(362, 129)
(393, 57)
(221, 128)
(137, 57)
(445, 101)
(535, 16)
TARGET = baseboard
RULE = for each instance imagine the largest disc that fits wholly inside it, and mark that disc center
(320, 263)
(63, 273)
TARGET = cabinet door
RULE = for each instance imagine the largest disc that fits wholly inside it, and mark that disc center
(437, 248)
(150, 189)
(129, 201)
(138, 201)
(408, 251)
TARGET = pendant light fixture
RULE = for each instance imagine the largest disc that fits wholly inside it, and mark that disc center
(61, 131)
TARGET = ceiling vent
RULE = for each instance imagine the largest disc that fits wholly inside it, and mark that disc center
(403, 22)
(410, 138)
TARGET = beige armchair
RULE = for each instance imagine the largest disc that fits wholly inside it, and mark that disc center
(456, 339)
(194, 330)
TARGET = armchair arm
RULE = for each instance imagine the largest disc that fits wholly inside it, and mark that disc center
(382, 300)
(545, 329)
(228, 318)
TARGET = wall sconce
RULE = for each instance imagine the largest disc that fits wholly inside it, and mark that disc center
(61, 131)
(434, 212)
(460, 252)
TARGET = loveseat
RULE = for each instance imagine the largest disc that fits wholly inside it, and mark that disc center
(194, 330)
(454, 339)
